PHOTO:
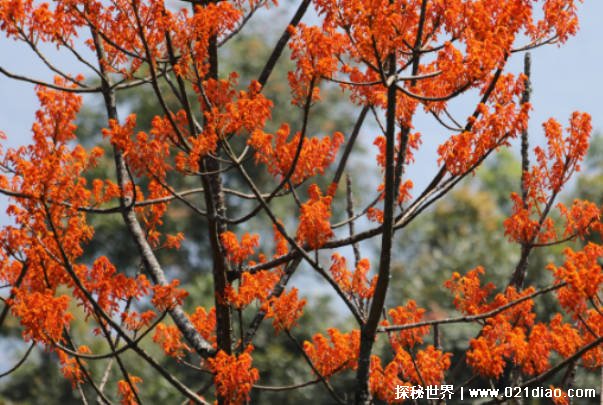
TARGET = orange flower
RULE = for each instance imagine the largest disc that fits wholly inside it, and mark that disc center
(251, 287)
(234, 376)
(492, 128)
(71, 369)
(553, 169)
(581, 216)
(561, 399)
(431, 364)
(469, 295)
(42, 315)
(360, 283)
(486, 357)
(170, 340)
(407, 314)
(314, 228)
(281, 246)
(535, 359)
(112, 287)
(237, 252)
(314, 157)
(341, 274)
(520, 227)
(383, 382)
(205, 323)
(134, 321)
(167, 296)
(404, 191)
(127, 396)
(285, 309)
(583, 274)
(375, 214)
(315, 50)
(355, 283)
(565, 339)
(593, 324)
(173, 241)
(340, 354)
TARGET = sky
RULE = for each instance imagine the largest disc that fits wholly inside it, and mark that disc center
(564, 79)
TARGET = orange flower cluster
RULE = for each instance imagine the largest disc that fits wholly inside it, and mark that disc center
(560, 18)
(112, 288)
(286, 309)
(237, 252)
(173, 241)
(234, 376)
(212, 19)
(50, 171)
(522, 227)
(281, 246)
(353, 283)
(146, 154)
(314, 157)
(486, 357)
(167, 296)
(428, 368)
(553, 169)
(564, 154)
(42, 315)
(315, 51)
(373, 28)
(584, 277)
(383, 381)
(256, 286)
(590, 329)
(564, 337)
(486, 353)
(104, 191)
(496, 124)
(340, 354)
(205, 323)
(70, 367)
(38, 20)
(229, 113)
(512, 335)
(314, 228)
(128, 397)
(375, 214)
(404, 315)
(431, 366)
(469, 295)
(169, 338)
(580, 218)
(134, 321)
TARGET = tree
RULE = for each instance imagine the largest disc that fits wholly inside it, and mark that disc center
(390, 58)
(111, 240)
